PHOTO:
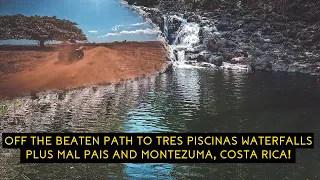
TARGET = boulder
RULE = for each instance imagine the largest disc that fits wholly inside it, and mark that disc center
(192, 17)
(316, 37)
(223, 26)
(264, 63)
(212, 45)
(173, 25)
(216, 60)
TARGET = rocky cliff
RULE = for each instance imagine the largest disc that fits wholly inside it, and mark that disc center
(265, 35)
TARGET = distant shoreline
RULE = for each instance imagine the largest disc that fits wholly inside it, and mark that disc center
(27, 69)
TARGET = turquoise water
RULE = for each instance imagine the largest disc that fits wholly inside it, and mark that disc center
(100, 20)
(186, 100)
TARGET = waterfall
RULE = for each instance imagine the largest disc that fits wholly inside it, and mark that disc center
(165, 27)
(181, 57)
(184, 40)
(187, 37)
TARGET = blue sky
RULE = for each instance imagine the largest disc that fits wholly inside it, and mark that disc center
(100, 20)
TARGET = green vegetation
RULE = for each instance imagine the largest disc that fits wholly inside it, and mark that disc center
(5, 107)
(40, 28)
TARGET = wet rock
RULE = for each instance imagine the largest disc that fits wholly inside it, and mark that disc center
(208, 30)
(278, 26)
(265, 47)
(223, 26)
(168, 68)
(228, 35)
(195, 50)
(240, 53)
(302, 36)
(230, 44)
(222, 42)
(297, 48)
(250, 28)
(264, 63)
(249, 19)
(192, 17)
(289, 33)
(227, 56)
(267, 30)
(310, 16)
(239, 24)
(216, 60)
(206, 33)
(212, 45)
(225, 43)
(192, 57)
(238, 60)
(227, 15)
(173, 25)
(205, 22)
(203, 56)
(307, 43)
(274, 43)
(207, 65)
(280, 18)
(278, 39)
(265, 35)
(316, 37)
(280, 66)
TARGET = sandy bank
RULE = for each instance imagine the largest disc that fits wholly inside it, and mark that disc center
(30, 71)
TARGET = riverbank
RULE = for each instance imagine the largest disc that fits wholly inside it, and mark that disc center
(26, 69)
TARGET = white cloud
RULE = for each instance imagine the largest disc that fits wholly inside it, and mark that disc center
(93, 31)
(138, 24)
(111, 34)
(116, 27)
(139, 31)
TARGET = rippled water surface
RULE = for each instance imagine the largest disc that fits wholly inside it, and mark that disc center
(185, 100)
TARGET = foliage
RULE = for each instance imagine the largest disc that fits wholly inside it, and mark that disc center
(41, 28)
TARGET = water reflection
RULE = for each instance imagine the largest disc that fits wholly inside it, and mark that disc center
(186, 100)
(188, 89)
(147, 116)
(149, 171)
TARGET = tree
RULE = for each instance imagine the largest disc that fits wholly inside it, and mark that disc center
(40, 28)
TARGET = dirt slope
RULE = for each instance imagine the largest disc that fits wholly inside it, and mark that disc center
(101, 65)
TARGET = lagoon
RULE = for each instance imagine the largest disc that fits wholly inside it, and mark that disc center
(185, 100)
